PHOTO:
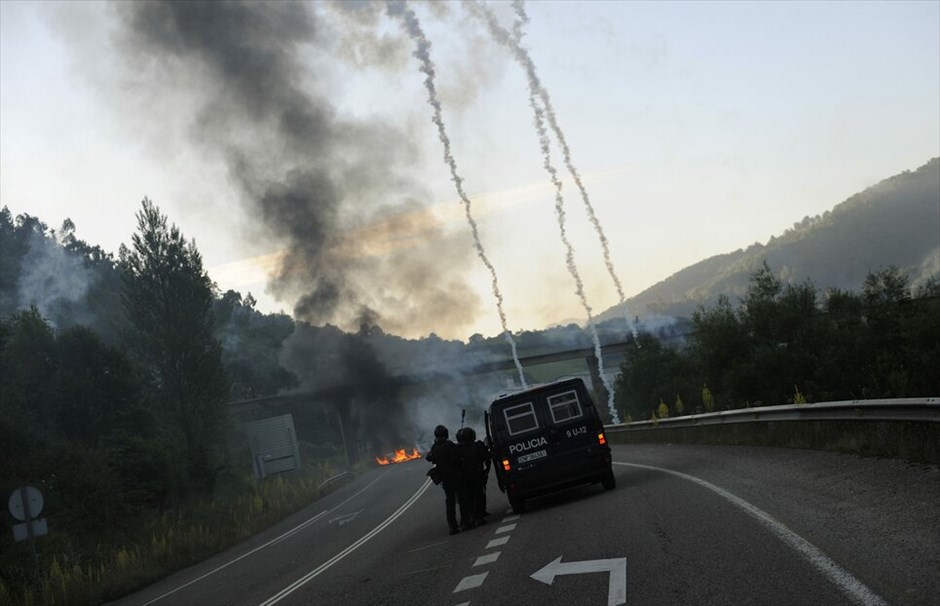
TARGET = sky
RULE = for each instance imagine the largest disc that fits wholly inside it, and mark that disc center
(698, 128)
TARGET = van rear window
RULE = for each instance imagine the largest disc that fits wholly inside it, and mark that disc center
(564, 406)
(520, 418)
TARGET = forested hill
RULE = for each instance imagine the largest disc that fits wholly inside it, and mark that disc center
(896, 222)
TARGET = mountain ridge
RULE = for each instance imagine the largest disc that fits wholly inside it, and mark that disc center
(894, 222)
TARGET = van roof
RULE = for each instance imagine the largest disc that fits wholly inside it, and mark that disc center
(538, 388)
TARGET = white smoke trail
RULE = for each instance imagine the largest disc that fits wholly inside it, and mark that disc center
(540, 113)
(522, 19)
(423, 53)
(521, 54)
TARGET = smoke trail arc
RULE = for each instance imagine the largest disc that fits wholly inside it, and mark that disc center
(422, 52)
(540, 112)
(513, 41)
(544, 144)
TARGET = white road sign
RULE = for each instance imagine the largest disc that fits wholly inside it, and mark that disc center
(33, 501)
(21, 531)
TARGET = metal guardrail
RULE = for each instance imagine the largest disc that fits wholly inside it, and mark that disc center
(919, 410)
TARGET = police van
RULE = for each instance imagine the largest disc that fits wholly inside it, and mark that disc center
(547, 438)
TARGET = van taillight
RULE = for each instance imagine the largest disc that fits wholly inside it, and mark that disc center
(506, 466)
(601, 439)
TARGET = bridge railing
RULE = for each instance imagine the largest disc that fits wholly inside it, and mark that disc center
(906, 428)
(899, 409)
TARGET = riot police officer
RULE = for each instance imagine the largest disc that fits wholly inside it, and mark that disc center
(475, 457)
(445, 455)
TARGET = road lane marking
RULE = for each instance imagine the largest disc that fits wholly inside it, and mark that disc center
(616, 585)
(464, 604)
(487, 559)
(345, 519)
(497, 542)
(411, 572)
(510, 518)
(470, 582)
(428, 546)
(507, 528)
(293, 530)
(841, 577)
(326, 565)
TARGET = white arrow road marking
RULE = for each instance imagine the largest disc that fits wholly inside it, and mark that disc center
(346, 519)
(617, 567)
(855, 589)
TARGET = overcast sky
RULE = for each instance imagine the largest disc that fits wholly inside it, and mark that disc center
(699, 128)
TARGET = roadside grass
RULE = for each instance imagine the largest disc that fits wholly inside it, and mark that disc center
(92, 573)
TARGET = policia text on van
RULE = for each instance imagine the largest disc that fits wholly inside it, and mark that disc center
(547, 438)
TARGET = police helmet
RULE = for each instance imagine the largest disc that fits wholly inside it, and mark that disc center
(440, 432)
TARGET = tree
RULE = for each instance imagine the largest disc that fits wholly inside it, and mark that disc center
(648, 374)
(167, 296)
(719, 346)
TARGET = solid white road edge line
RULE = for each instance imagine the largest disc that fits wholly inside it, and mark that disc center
(322, 567)
(843, 579)
(297, 528)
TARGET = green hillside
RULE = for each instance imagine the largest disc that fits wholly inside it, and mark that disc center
(896, 222)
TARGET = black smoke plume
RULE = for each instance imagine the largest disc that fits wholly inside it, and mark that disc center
(317, 181)
(335, 194)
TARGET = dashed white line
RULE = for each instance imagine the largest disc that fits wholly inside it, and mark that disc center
(464, 604)
(498, 542)
(487, 559)
(475, 580)
(470, 582)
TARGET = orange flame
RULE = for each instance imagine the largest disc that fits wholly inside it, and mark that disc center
(400, 456)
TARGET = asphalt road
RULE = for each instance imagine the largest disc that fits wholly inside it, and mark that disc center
(685, 525)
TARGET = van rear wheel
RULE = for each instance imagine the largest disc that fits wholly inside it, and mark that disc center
(608, 481)
(516, 502)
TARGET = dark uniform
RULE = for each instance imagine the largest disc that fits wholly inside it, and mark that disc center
(475, 458)
(484, 453)
(445, 455)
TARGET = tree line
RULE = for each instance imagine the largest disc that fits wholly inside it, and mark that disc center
(115, 382)
(139, 414)
(783, 343)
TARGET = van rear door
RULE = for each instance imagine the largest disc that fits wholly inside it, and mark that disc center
(525, 431)
(571, 419)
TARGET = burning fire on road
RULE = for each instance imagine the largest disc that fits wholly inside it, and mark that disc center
(400, 456)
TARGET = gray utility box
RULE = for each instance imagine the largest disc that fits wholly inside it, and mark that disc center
(273, 445)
